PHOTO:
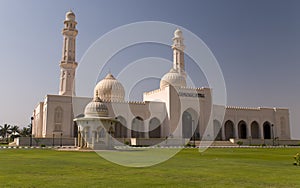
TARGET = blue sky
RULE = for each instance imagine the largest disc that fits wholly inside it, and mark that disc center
(256, 43)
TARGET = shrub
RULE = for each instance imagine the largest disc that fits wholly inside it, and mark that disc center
(43, 145)
(127, 143)
(188, 145)
(297, 159)
(239, 143)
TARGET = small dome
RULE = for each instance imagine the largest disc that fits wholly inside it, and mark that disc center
(96, 108)
(70, 16)
(178, 33)
(110, 89)
(173, 78)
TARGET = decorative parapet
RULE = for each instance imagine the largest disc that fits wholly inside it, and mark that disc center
(254, 108)
(153, 92)
(179, 89)
(127, 102)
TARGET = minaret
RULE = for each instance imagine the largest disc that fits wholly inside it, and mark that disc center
(178, 51)
(68, 64)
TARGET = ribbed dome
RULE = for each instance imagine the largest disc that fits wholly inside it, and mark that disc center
(173, 78)
(96, 108)
(70, 16)
(110, 89)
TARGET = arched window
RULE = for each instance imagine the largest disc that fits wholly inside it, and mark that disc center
(58, 117)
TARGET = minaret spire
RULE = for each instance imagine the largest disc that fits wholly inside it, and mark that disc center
(68, 63)
(178, 51)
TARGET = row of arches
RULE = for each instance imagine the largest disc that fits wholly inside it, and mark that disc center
(243, 132)
(138, 128)
(190, 128)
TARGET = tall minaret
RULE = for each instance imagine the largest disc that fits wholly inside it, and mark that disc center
(68, 64)
(178, 51)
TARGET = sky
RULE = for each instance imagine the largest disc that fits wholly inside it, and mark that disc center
(256, 44)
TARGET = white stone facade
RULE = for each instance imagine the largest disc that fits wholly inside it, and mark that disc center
(181, 113)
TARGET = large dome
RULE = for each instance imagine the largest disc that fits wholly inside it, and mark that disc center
(110, 89)
(96, 108)
(173, 78)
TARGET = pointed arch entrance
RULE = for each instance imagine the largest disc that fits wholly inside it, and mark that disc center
(254, 130)
(138, 129)
(229, 130)
(154, 128)
(267, 130)
(242, 128)
(190, 124)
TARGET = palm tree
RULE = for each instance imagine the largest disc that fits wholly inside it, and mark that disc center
(25, 132)
(5, 131)
(14, 129)
(14, 132)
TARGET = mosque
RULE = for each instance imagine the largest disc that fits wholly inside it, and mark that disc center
(174, 110)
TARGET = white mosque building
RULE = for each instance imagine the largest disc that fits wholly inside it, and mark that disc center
(182, 112)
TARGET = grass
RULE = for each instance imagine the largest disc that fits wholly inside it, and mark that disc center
(234, 167)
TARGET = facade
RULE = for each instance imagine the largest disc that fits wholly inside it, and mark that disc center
(182, 112)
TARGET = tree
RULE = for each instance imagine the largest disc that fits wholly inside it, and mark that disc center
(14, 129)
(14, 132)
(25, 132)
(5, 131)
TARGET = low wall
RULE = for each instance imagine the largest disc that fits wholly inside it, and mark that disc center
(25, 141)
(158, 141)
(266, 142)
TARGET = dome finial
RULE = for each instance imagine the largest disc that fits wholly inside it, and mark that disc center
(70, 16)
(178, 33)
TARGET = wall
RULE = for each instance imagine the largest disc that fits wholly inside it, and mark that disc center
(25, 141)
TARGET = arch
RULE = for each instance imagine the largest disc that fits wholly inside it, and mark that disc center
(229, 130)
(217, 130)
(242, 128)
(186, 125)
(190, 124)
(254, 130)
(58, 117)
(101, 132)
(154, 128)
(137, 128)
(121, 128)
(267, 130)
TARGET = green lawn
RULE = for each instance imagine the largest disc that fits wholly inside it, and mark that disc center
(234, 167)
